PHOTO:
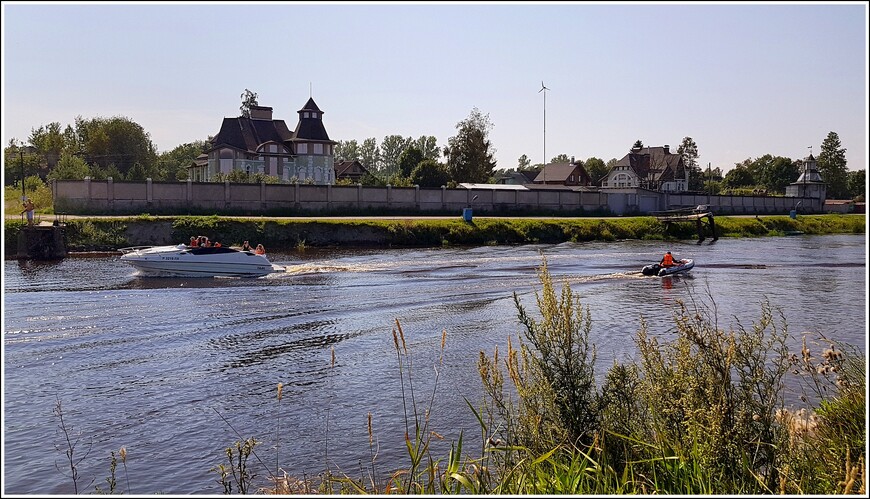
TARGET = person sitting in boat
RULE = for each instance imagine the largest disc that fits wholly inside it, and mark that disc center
(193, 242)
(246, 246)
(260, 250)
(667, 260)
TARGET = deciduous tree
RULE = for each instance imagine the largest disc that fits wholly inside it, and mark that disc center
(391, 148)
(346, 150)
(69, 167)
(857, 182)
(249, 99)
(428, 145)
(470, 155)
(430, 173)
(739, 176)
(118, 140)
(523, 163)
(370, 155)
(774, 173)
(688, 150)
(597, 169)
(409, 159)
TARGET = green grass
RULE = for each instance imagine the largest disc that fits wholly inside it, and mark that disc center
(280, 234)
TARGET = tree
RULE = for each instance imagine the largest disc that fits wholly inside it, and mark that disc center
(857, 182)
(346, 150)
(117, 140)
(249, 99)
(740, 176)
(409, 159)
(69, 167)
(391, 148)
(688, 150)
(137, 173)
(774, 173)
(430, 173)
(596, 169)
(638, 144)
(832, 167)
(523, 163)
(470, 155)
(428, 145)
(370, 155)
(173, 165)
(561, 158)
(16, 153)
(49, 142)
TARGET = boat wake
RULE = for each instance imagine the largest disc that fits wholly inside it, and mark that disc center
(608, 277)
(318, 268)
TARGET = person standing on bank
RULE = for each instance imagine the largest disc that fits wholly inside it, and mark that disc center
(28, 208)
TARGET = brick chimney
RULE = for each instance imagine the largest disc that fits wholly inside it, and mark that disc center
(261, 113)
(667, 149)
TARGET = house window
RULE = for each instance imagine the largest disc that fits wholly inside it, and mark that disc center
(302, 149)
(318, 148)
(305, 115)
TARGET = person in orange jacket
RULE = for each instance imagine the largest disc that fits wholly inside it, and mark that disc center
(667, 260)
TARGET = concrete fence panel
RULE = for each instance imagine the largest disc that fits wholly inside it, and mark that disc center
(93, 196)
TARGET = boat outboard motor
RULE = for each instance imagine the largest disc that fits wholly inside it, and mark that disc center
(652, 269)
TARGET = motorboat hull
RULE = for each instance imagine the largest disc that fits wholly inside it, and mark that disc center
(683, 266)
(185, 261)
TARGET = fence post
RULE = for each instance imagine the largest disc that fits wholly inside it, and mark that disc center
(263, 195)
(110, 194)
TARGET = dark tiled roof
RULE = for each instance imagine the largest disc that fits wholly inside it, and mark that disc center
(559, 172)
(342, 167)
(310, 106)
(654, 164)
(247, 134)
(529, 175)
(310, 129)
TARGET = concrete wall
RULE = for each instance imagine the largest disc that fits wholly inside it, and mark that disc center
(107, 197)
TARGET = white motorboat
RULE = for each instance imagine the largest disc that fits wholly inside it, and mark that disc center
(679, 267)
(187, 261)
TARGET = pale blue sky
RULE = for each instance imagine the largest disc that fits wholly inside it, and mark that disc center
(742, 80)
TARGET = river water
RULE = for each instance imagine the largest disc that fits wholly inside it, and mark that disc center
(176, 370)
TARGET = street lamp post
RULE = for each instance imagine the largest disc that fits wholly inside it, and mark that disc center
(21, 158)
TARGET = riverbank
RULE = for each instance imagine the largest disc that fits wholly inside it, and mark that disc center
(110, 233)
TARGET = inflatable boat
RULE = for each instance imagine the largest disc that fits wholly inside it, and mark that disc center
(681, 266)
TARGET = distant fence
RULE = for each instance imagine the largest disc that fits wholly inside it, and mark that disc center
(109, 197)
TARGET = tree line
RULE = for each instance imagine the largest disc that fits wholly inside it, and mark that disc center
(119, 148)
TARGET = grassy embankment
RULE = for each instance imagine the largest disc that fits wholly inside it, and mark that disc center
(702, 413)
(94, 234)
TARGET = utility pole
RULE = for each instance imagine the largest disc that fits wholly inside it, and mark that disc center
(21, 157)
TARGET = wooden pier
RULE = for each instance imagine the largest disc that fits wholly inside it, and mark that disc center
(45, 241)
(701, 215)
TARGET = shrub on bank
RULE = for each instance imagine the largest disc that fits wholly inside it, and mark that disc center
(87, 234)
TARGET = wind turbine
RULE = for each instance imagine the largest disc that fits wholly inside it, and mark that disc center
(544, 168)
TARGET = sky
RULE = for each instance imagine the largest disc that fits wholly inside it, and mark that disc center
(741, 79)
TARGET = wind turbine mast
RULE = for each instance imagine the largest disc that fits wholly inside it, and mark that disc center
(544, 168)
